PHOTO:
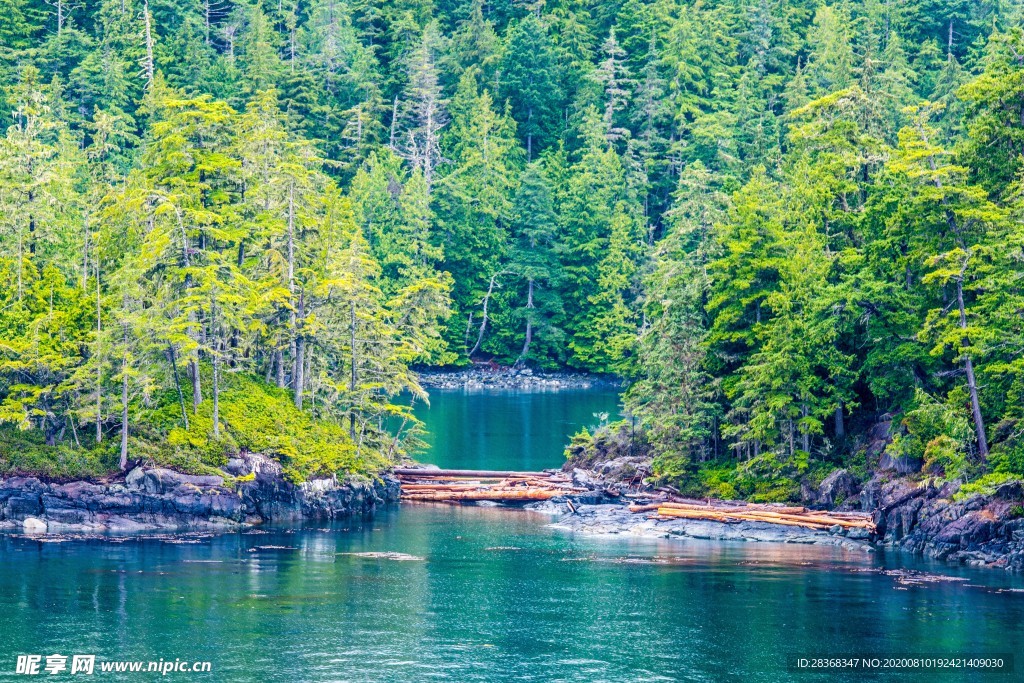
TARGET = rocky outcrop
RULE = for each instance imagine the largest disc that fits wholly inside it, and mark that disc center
(613, 519)
(837, 488)
(922, 518)
(158, 498)
(502, 378)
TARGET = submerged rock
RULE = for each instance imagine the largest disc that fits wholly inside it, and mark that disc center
(159, 498)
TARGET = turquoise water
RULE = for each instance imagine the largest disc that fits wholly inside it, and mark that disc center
(485, 594)
(496, 597)
(506, 430)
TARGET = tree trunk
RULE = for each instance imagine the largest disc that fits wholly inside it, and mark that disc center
(270, 368)
(972, 384)
(483, 323)
(216, 390)
(840, 424)
(99, 359)
(529, 326)
(300, 352)
(279, 363)
(177, 383)
(292, 320)
(352, 378)
(197, 391)
(806, 434)
(124, 404)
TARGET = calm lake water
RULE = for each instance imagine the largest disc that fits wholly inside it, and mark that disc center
(507, 430)
(484, 594)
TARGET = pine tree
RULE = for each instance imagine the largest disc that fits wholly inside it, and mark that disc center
(533, 258)
(530, 84)
(473, 203)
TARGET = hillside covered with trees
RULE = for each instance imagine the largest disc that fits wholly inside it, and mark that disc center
(234, 224)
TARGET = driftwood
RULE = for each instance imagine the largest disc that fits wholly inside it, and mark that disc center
(753, 512)
(457, 486)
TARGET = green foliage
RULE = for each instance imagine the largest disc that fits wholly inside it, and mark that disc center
(984, 486)
(26, 452)
(260, 418)
(767, 478)
(782, 220)
(937, 433)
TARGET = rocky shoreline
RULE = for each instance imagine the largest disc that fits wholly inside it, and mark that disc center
(488, 377)
(616, 519)
(983, 530)
(917, 517)
(251, 492)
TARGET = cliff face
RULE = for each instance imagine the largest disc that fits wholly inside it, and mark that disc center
(157, 498)
(982, 530)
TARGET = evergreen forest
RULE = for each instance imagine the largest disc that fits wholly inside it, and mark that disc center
(246, 225)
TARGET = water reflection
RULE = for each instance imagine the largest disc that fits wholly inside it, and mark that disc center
(496, 597)
(509, 430)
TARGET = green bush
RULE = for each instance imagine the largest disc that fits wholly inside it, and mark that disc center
(938, 433)
(254, 417)
(985, 485)
(26, 452)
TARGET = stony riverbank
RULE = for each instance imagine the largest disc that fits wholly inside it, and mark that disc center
(252, 491)
(616, 519)
(910, 514)
(511, 379)
(982, 530)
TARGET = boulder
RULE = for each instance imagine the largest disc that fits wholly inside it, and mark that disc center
(33, 525)
(838, 487)
(161, 480)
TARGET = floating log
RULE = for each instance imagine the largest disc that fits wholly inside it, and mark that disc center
(669, 513)
(486, 494)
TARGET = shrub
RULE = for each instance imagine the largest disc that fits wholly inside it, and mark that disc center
(985, 485)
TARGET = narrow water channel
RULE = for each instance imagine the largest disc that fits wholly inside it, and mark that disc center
(509, 430)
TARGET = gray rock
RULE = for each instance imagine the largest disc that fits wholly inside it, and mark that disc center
(159, 498)
(133, 480)
(901, 465)
(926, 520)
(837, 487)
(614, 519)
(237, 467)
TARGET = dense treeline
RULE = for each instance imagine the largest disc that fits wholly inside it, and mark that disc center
(783, 218)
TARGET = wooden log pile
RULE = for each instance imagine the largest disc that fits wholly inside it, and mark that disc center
(753, 512)
(458, 486)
